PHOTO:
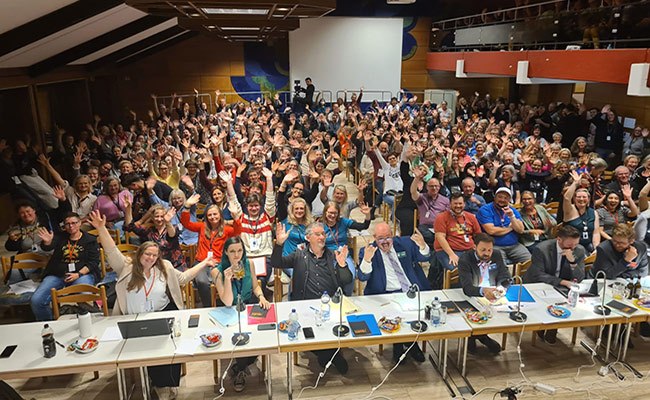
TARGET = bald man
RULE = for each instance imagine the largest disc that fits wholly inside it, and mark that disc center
(394, 268)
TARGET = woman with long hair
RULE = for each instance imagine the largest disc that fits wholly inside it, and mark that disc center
(580, 215)
(235, 277)
(112, 204)
(538, 223)
(147, 283)
(614, 212)
(213, 233)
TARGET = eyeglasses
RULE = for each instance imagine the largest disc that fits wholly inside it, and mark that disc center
(384, 240)
(71, 223)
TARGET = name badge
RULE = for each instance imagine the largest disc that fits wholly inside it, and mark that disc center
(72, 267)
(254, 245)
(585, 235)
(179, 228)
(34, 248)
(427, 214)
(492, 266)
(148, 305)
(210, 255)
(401, 254)
(609, 138)
(466, 237)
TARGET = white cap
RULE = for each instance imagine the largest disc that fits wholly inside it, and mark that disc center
(504, 190)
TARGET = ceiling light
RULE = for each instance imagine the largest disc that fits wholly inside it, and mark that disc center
(243, 36)
(240, 28)
(283, 9)
(240, 11)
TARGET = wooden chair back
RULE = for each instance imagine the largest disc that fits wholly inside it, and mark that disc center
(200, 209)
(189, 252)
(126, 249)
(521, 268)
(115, 234)
(23, 261)
(552, 208)
(78, 294)
(451, 278)
(589, 263)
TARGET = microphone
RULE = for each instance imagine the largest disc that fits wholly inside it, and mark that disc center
(601, 309)
(518, 316)
(419, 325)
(240, 338)
(339, 330)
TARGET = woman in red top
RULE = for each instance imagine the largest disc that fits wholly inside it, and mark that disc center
(213, 233)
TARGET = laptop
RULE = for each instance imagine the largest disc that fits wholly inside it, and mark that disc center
(147, 327)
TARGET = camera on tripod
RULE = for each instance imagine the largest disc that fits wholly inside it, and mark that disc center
(296, 86)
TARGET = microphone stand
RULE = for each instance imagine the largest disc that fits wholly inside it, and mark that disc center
(602, 309)
(339, 330)
(518, 316)
(240, 338)
(419, 325)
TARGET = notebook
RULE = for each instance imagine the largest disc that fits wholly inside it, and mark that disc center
(624, 308)
(363, 325)
(257, 315)
(225, 316)
(146, 327)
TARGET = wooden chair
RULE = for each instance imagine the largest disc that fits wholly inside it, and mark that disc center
(115, 234)
(126, 249)
(23, 261)
(189, 252)
(451, 278)
(128, 236)
(607, 176)
(589, 263)
(200, 209)
(81, 293)
(521, 268)
(552, 208)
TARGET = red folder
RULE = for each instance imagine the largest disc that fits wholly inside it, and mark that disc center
(269, 318)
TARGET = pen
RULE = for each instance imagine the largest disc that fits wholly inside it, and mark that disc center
(211, 320)
(314, 308)
(385, 304)
(59, 343)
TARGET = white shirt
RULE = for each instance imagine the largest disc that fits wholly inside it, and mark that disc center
(136, 300)
(392, 283)
(559, 259)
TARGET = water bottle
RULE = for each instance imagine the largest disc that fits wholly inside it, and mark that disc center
(85, 324)
(435, 312)
(637, 288)
(49, 344)
(574, 294)
(294, 325)
(325, 306)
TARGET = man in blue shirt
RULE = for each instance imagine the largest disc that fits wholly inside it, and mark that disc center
(473, 201)
(501, 221)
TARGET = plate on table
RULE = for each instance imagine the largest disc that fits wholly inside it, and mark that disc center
(558, 311)
(283, 326)
(85, 346)
(476, 317)
(211, 339)
(390, 325)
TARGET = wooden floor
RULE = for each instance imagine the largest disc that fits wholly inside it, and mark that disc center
(554, 365)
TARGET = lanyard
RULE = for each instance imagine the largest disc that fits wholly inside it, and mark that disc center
(536, 220)
(462, 225)
(153, 281)
(335, 236)
(257, 224)
(614, 215)
(501, 216)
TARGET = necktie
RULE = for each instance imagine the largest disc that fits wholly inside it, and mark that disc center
(401, 277)
(565, 270)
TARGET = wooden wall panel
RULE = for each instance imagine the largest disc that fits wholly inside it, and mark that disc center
(415, 77)
(599, 94)
(496, 87)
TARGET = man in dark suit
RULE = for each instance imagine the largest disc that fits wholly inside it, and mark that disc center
(394, 268)
(480, 272)
(557, 262)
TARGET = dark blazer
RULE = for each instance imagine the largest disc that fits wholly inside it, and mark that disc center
(470, 274)
(408, 254)
(614, 264)
(544, 264)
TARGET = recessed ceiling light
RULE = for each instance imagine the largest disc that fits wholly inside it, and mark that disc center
(240, 11)
(283, 9)
(243, 36)
(240, 28)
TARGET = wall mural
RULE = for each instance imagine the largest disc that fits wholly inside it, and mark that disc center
(266, 69)
(409, 43)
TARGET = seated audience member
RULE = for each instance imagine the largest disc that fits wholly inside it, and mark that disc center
(232, 282)
(480, 272)
(621, 182)
(213, 233)
(142, 192)
(394, 268)
(473, 201)
(430, 204)
(177, 201)
(580, 215)
(111, 204)
(538, 223)
(75, 260)
(613, 212)
(455, 230)
(557, 262)
(503, 222)
(507, 181)
(146, 282)
(316, 269)
(622, 256)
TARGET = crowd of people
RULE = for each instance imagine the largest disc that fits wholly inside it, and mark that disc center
(255, 181)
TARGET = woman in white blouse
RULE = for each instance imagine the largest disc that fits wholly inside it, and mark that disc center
(147, 283)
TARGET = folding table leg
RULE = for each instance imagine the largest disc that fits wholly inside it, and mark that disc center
(269, 377)
(289, 375)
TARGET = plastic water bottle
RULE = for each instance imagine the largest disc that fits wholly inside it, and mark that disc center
(435, 312)
(574, 294)
(294, 325)
(49, 344)
(325, 306)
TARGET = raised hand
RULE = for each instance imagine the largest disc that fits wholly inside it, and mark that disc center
(366, 210)
(342, 256)
(418, 239)
(45, 235)
(188, 182)
(267, 173)
(59, 193)
(369, 252)
(281, 234)
(150, 183)
(627, 191)
(225, 176)
(43, 160)
(97, 220)
(362, 184)
(327, 181)
(169, 215)
(193, 200)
